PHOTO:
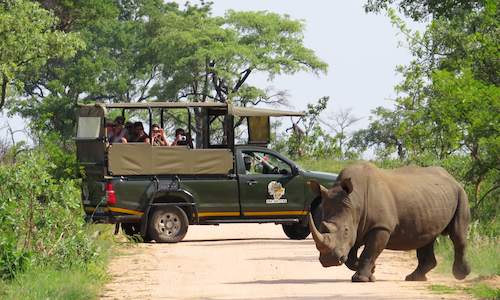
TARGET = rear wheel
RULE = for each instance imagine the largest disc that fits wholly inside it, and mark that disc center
(133, 232)
(168, 224)
(131, 229)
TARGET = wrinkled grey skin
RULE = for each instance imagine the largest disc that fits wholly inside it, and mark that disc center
(400, 209)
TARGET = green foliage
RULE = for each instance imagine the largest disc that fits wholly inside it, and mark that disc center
(29, 41)
(40, 218)
(419, 10)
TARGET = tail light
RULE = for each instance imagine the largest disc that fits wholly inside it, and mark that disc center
(110, 194)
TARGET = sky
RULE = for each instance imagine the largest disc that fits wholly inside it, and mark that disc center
(361, 50)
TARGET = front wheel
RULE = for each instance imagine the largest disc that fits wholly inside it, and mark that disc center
(168, 224)
(296, 231)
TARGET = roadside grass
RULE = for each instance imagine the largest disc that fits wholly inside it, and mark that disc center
(483, 254)
(483, 291)
(478, 290)
(49, 283)
(323, 165)
(442, 289)
(74, 282)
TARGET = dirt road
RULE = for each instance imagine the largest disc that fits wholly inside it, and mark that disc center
(252, 262)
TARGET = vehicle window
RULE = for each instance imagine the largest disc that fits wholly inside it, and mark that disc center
(264, 163)
(88, 127)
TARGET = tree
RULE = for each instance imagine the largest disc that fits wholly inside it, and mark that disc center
(29, 40)
(383, 133)
(306, 138)
(339, 123)
(211, 58)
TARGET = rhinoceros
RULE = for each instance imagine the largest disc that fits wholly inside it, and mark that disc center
(400, 209)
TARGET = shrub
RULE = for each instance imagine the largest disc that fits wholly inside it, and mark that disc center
(40, 217)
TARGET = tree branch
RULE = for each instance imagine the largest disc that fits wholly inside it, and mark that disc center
(196, 94)
(486, 194)
(240, 82)
(144, 88)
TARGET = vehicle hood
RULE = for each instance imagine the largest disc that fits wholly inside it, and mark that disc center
(323, 178)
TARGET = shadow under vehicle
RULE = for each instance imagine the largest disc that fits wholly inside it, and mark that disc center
(158, 191)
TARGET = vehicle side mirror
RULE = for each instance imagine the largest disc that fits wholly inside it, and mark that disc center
(295, 170)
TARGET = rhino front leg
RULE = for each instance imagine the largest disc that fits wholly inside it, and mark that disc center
(352, 258)
(375, 243)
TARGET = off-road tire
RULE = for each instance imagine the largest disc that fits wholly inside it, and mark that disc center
(296, 231)
(168, 224)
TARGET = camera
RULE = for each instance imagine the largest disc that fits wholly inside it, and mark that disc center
(182, 138)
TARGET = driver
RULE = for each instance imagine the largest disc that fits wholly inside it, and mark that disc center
(249, 162)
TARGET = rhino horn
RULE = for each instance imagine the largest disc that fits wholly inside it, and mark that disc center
(320, 240)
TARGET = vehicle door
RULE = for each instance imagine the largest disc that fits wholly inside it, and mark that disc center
(90, 151)
(269, 185)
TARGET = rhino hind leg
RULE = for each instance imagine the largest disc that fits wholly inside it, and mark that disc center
(458, 235)
(426, 262)
(461, 267)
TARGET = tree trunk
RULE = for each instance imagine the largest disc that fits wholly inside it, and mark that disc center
(198, 127)
(3, 94)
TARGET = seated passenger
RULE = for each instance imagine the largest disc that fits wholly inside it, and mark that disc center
(181, 139)
(118, 133)
(139, 135)
(158, 136)
(129, 127)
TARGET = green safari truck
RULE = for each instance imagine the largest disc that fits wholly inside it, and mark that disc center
(158, 191)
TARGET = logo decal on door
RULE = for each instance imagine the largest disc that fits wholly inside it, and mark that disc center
(276, 190)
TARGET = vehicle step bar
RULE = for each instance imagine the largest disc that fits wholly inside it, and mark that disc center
(227, 221)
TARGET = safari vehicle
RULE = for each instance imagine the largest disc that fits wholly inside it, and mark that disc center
(158, 191)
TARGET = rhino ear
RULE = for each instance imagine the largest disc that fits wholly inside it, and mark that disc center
(318, 189)
(346, 185)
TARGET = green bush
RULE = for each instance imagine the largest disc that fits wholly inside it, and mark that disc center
(41, 219)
